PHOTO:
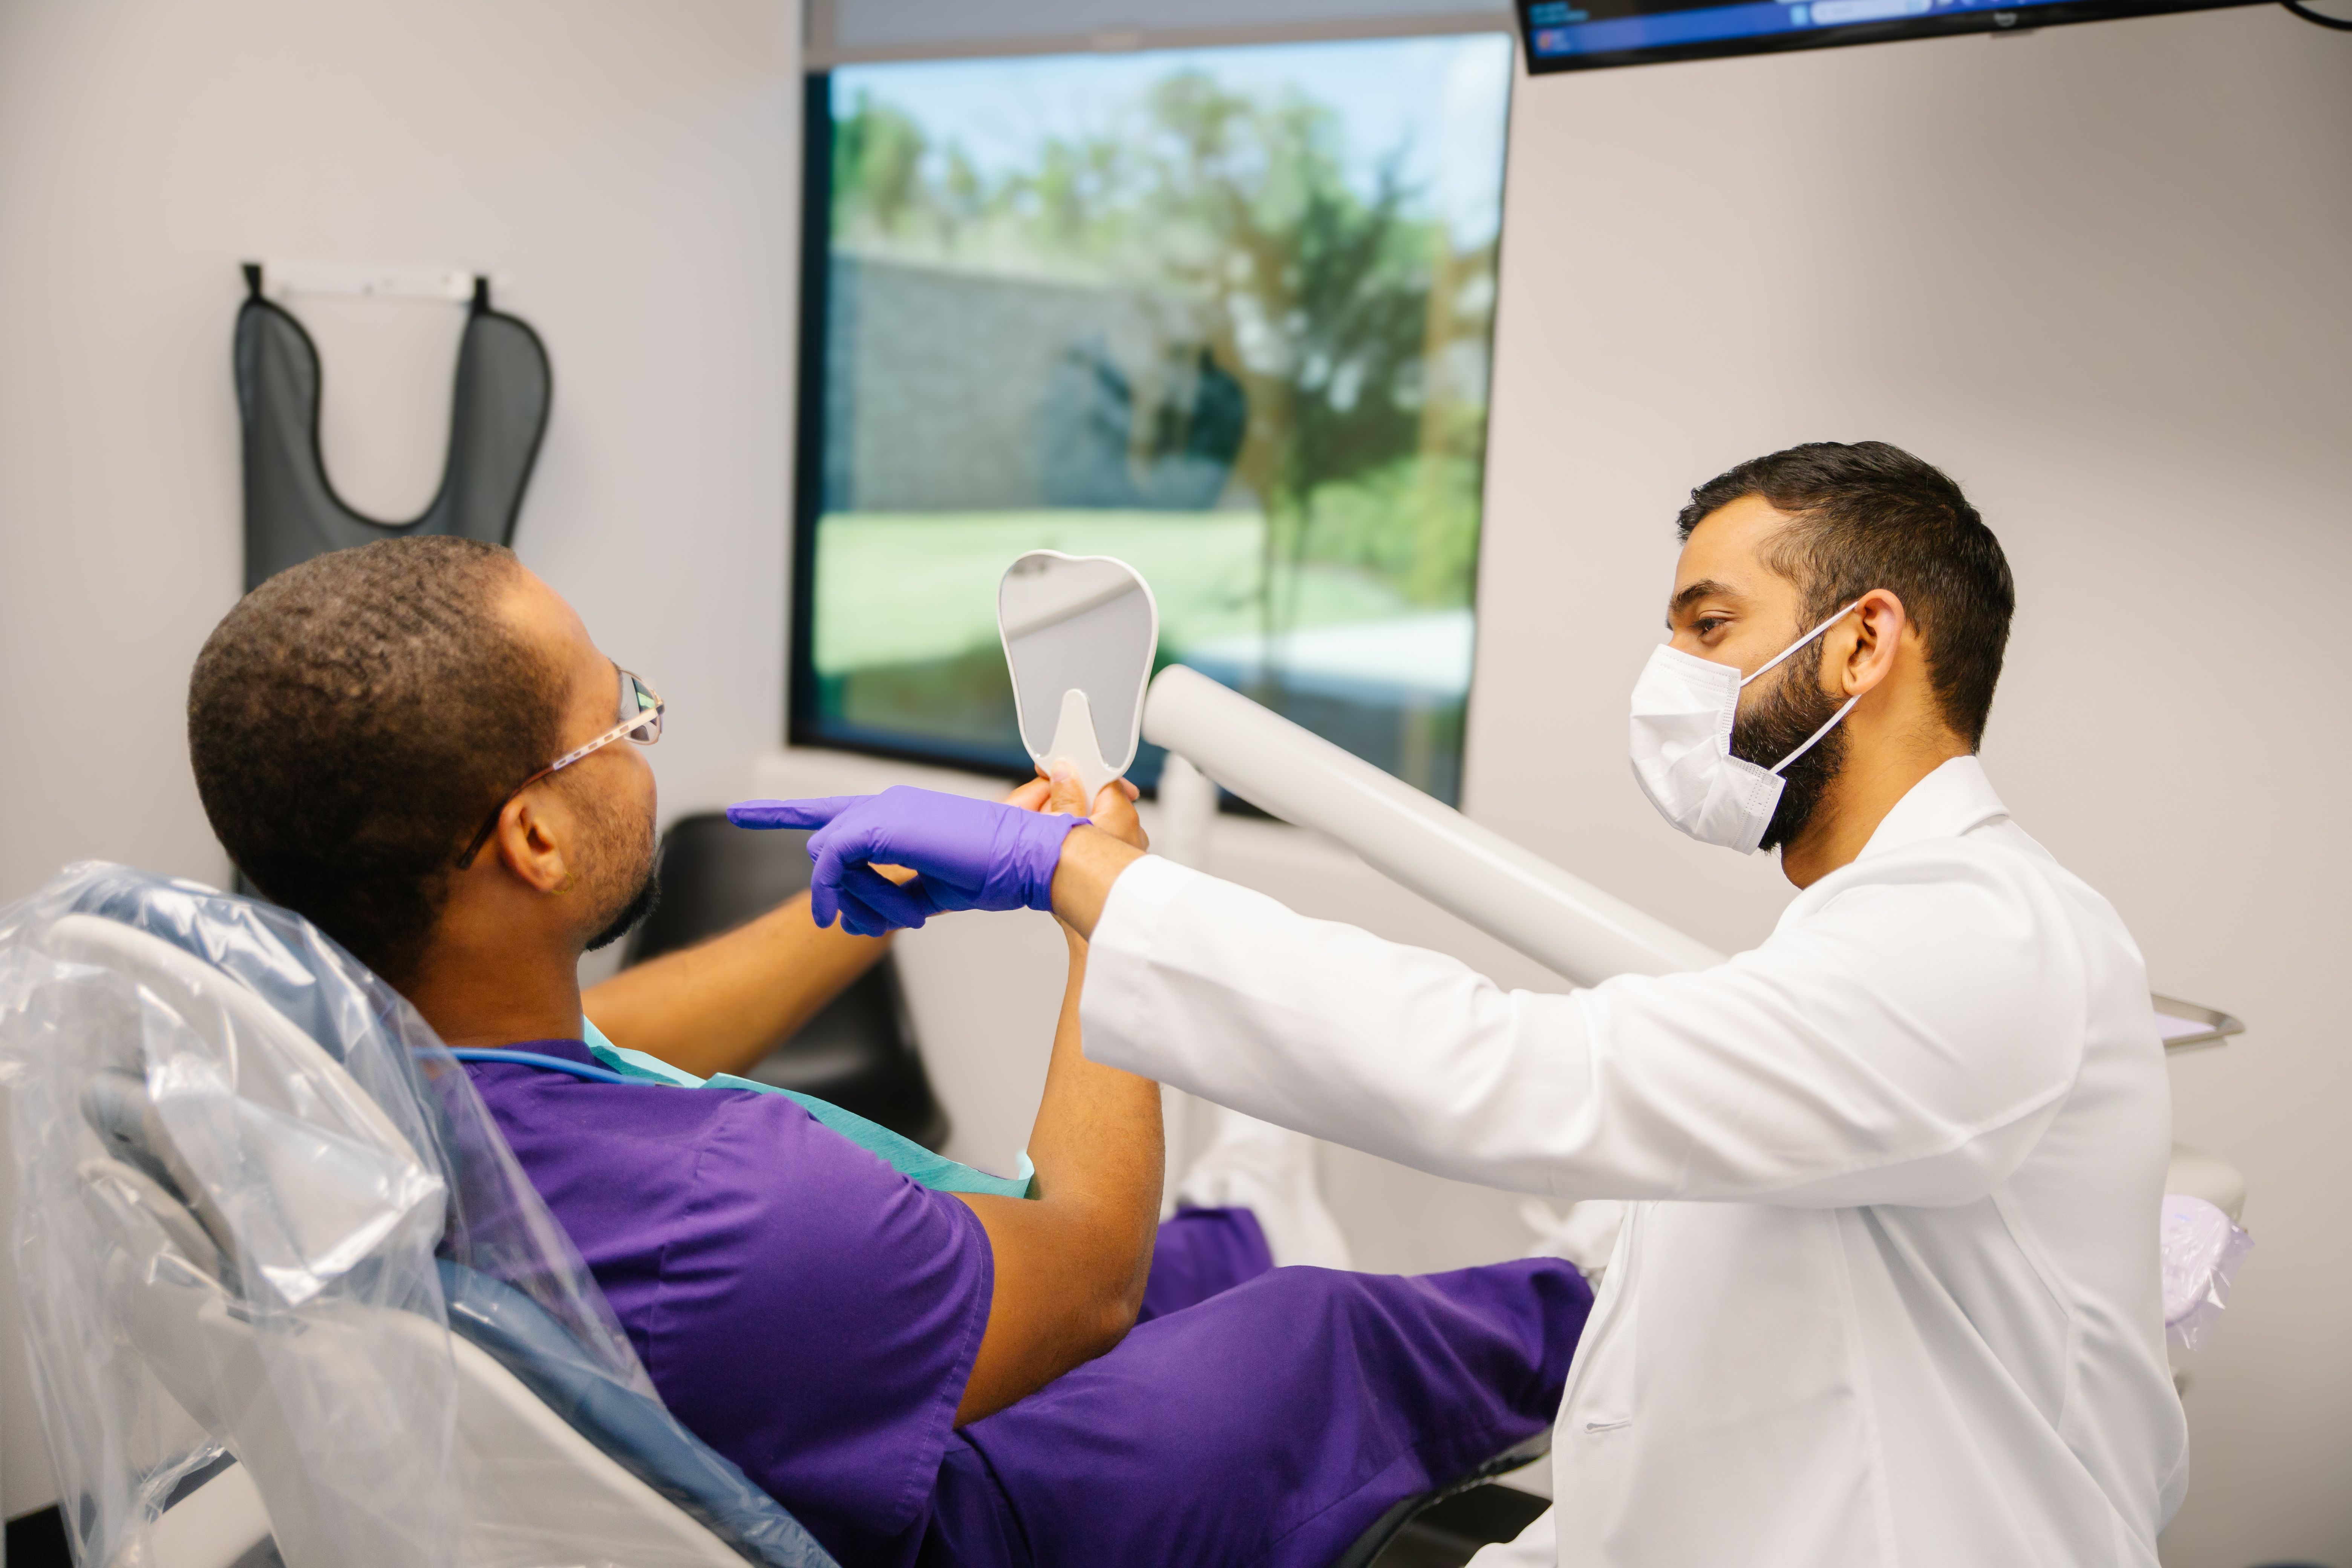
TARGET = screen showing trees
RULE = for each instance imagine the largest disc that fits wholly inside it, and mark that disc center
(1226, 314)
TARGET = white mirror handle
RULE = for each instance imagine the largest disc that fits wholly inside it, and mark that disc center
(1075, 743)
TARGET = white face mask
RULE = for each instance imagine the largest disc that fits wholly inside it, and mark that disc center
(1683, 711)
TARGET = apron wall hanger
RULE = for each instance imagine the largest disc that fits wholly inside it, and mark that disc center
(282, 279)
(498, 415)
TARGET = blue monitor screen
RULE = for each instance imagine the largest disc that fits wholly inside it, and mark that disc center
(1580, 35)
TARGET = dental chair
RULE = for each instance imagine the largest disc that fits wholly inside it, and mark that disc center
(528, 1413)
(290, 1301)
(280, 1316)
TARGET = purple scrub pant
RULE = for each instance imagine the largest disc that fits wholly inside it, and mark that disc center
(1258, 1416)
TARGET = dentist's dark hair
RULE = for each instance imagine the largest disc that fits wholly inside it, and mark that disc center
(353, 719)
(1870, 515)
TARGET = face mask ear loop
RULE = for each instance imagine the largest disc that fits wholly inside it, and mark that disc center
(1817, 734)
(1803, 641)
(1809, 637)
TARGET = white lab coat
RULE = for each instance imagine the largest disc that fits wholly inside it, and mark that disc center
(1888, 1294)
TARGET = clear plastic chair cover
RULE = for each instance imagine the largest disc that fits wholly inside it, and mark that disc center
(328, 1209)
(2202, 1249)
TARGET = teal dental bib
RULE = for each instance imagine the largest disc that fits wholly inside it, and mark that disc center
(904, 1155)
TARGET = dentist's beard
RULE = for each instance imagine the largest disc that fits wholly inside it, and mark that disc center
(1777, 723)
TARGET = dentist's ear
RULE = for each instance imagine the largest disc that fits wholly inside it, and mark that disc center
(1878, 625)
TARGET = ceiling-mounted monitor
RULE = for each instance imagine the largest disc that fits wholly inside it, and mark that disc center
(1585, 35)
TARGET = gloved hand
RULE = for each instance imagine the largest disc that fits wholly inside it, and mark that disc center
(966, 854)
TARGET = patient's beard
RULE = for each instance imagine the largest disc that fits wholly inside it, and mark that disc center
(621, 872)
(634, 911)
(1778, 724)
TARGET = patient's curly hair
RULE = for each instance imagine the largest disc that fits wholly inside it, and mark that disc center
(354, 719)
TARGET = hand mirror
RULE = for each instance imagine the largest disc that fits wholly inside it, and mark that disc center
(1079, 633)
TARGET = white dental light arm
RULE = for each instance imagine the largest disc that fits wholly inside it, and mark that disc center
(1517, 898)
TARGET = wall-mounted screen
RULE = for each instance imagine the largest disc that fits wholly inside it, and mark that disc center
(1223, 313)
(1583, 35)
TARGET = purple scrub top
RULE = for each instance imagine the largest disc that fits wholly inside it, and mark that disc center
(813, 1315)
(801, 1306)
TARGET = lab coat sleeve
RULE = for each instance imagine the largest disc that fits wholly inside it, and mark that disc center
(1906, 1043)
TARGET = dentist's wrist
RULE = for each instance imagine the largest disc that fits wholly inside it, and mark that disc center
(1091, 861)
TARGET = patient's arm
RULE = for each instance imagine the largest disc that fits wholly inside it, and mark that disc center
(717, 1008)
(1071, 1261)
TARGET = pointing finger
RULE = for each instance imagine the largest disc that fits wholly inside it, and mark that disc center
(790, 813)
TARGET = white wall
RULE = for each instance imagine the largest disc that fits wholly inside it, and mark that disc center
(632, 169)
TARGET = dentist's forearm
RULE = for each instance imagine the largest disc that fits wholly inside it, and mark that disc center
(1091, 861)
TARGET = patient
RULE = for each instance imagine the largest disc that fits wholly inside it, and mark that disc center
(920, 1376)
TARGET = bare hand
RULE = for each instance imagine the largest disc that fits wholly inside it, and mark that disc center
(1114, 806)
(1031, 795)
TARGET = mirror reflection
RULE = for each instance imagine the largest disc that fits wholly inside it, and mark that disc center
(1085, 624)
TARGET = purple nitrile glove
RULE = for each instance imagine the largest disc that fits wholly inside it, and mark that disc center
(967, 854)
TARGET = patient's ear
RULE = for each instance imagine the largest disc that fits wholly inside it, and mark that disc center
(531, 834)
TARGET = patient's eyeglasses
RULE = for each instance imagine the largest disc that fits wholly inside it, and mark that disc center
(641, 721)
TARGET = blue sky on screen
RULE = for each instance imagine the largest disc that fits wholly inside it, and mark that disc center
(1444, 100)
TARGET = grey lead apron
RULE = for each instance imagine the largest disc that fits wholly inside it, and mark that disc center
(496, 420)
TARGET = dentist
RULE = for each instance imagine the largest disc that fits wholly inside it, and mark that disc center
(1887, 1291)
